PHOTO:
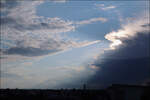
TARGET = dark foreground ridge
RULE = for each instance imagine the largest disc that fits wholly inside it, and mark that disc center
(114, 92)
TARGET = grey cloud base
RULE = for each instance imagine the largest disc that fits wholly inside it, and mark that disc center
(29, 51)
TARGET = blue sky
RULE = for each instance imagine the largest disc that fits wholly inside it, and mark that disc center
(47, 44)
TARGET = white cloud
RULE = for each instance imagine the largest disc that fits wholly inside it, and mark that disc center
(83, 44)
(103, 7)
(59, 1)
(26, 33)
(94, 67)
(101, 19)
(109, 7)
(127, 31)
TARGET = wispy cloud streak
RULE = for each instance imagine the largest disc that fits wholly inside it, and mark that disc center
(24, 33)
(104, 7)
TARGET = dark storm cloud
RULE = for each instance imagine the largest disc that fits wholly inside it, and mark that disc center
(127, 64)
(125, 71)
(146, 25)
(136, 47)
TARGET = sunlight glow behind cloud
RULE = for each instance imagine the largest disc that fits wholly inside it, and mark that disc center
(127, 31)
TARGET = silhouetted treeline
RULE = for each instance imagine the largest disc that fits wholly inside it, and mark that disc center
(115, 92)
(21, 94)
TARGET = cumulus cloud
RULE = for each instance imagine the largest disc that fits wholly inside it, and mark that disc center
(128, 31)
(126, 61)
(103, 7)
(24, 33)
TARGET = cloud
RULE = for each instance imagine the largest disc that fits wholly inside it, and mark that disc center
(46, 77)
(84, 43)
(75, 74)
(26, 38)
(128, 31)
(103, 7)
(59, 1)
(30, 51)
(101, 19)
(127, 62)
(94, 67)
(9, 75)
(26, 34)
(49, 24)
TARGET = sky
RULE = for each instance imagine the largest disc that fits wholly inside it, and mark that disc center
(66, 43)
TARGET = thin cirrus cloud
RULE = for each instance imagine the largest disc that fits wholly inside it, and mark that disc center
(101, 19)
(104, 7)
(127, 62)
(59, 1)
(30, 35)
